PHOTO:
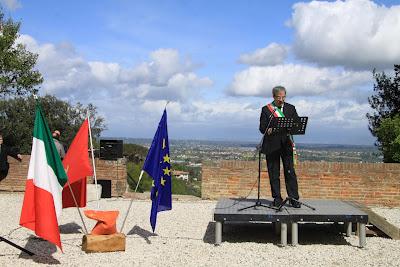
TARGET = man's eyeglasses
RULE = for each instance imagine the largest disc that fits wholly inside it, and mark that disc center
(279, 97)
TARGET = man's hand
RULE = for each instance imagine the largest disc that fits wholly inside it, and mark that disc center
(19, 157)
(269, 131)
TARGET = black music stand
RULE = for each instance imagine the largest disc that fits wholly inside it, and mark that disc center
(293, 126)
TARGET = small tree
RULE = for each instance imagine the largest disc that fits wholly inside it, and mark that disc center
(386, 103)
(389, 135)
(17, 74)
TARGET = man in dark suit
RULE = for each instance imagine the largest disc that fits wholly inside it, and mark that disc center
(277, 145)
(4, 152)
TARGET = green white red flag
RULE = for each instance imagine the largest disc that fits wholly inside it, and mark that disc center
(42, 204)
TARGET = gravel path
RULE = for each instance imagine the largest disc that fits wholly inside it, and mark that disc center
(184, 237)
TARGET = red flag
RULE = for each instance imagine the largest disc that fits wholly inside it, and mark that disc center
(77, 165)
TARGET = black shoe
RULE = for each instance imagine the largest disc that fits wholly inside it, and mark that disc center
(295, 204)
(277, 202)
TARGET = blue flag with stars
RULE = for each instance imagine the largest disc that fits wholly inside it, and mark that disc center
(158, 166)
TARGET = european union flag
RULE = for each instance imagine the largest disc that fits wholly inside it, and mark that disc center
(158, 166)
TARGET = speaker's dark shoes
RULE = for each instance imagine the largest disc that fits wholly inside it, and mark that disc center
(295, 204)
(277, 202)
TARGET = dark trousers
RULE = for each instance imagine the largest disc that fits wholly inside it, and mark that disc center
(3, 174)
(273, 165)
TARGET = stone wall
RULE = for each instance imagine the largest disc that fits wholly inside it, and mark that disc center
(374, 184)
(105, 170)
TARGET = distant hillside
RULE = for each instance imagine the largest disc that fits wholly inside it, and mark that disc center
(134, 152)
(196, 151)
(147, 141)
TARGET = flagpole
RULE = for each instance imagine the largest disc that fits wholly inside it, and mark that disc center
(137, 185)
(93, 163)
(130, 204)
(76, 205)
(140, 178)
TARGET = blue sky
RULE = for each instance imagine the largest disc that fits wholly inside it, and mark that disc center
(216, 61)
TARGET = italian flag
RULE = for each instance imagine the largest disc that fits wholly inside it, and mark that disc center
(46, 177)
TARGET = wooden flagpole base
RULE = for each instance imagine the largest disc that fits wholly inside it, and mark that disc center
(103, 243)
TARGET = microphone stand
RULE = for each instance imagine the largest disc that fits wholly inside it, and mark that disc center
(259, 148)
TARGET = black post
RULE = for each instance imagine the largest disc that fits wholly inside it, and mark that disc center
(16, 246)
(2, 239)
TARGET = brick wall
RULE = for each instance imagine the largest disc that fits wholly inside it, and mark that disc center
(114, 170)
(105, 170)
(374, 184)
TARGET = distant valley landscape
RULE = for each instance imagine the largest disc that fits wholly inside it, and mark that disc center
(197, 151)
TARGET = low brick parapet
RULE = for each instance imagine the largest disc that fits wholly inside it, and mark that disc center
(105, 170)
(374, 184)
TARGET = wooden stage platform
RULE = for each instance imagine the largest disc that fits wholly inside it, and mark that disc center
(228, 210)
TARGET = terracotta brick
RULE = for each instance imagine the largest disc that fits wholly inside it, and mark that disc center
(105, 169)
(369, 183)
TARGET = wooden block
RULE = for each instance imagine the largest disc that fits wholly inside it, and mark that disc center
(103, 243)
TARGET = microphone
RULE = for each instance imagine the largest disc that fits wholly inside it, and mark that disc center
(272, 113)
(271, 116)
(259, 146)
(270, 119)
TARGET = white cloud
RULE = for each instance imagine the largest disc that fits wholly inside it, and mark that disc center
(132, 99)
(354, 33)
(300, 80)
(273, 54)
(67, 74)
(232, 118)
(338, 121)
(107, 73)
(336, 46)
(328, 112)
(166, 63)
(220, 118)
(232, 112)
(11, 4)
(222, 111)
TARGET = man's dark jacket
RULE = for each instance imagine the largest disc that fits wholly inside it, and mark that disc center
(274, 142)
(4, 166)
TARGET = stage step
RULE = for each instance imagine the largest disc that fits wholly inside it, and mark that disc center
(380, 222)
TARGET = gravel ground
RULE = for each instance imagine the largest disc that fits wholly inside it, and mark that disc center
(392, 215)
(184, 237)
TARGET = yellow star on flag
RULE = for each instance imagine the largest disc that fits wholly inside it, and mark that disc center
(163, 181)
(166, 158)
(167, 171)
